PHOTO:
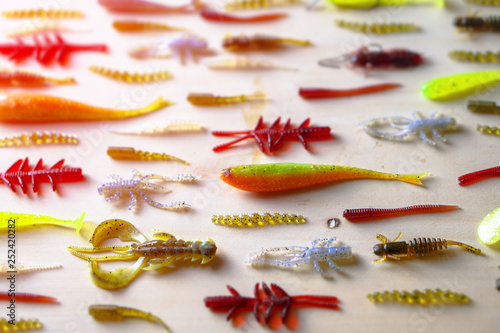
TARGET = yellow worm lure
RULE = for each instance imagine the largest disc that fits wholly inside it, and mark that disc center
(483, 57)
(38, 138)
(107, 312)
(128, 153)
(377, 28)
(256, 4)
(418, 297)
(131, 77)
(257, 220)
(485, 129)
(43, 14)
(20, 325)
(25, 221)
(132, 26)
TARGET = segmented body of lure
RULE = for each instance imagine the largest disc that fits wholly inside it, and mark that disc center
(321, 249)
(163, 250)
(255, 4)
(377, 28)
(483, 107)
(20, 325)
(25, 221)
(38, 28)
(449, 88)
(243, 43)
(478, 24)
(291, 176)
(159, 128)
(135, 186)
(148, 7)
(212, 100)
(370, 214)
(214, 16)
(130, 154)
(128, 26)
(315, 93)
(38, 138)
(489, 228)
(245, 63)
(476, 176)
(26, 297)
(131, 77)
(25, 79)
(47, 51)
(32, 107)
(51, 14)
(19, 173)
(483, 57)
(266, 302)
(366, 4)
(108, 312)
(20, 268)
(276, 135)
(417, 247)
(485, 129)
(257, 220)
(418, 297)
(484, 2)
(409, 128)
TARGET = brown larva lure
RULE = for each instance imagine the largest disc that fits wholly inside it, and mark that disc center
(42, 14)
(483, 57)
(257, 220)
(377, 28)
(485, 129)
(38, 138)
(131, 77)
(419, 297)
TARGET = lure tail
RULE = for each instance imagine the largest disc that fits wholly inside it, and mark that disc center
(411, 178)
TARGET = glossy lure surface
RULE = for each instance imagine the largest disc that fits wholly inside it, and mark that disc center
(25, 221)
(131, 154)
(33, 108)
(370, 214)
(367, 4)
(109, 312)
(477, 176)
(148, 7)
(489, 228)
(50, 14)
(38, 138)
(26, 297)
(418, 297)
(221, 17)
(25, 79)
(377, 28)
(290, 176)
(315, 93)
(133, 26)
(259, 42)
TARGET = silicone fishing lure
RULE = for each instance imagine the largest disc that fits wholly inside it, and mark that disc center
(150, 255)
(321, 249)
(19, 173)
(473, 24)
(483, 107)
(266, 302)
(212, 100)
(449, 88)
(290, 176)
(476, 176)
(20, 325)
(26, 297)
(489, 228)
(25, 221)
(409, 128)
(243, 43)
(367, 4)
(245, 63)
(42, 14)
(483, 57)
(257, 220)
(131, 77)
(423, 298)
(135, 186)
(162, 127)
(38, 28)
(108, 312)
(214, 16)
(276, 135)
(38, 138)
(148, 7)
(128, 26)
(130, 154)
(417, 247)
(32, 107)
(377, 28)
(484, 2)
(371, 214)
(47, 51)
(485, 129)
(316, 93)
(22, 268)
(257, 4)
(25, 79)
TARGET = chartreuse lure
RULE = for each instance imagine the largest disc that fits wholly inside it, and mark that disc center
(489, 228)
(20, 221)
(290, 176)
(448, 88)
(367, 4)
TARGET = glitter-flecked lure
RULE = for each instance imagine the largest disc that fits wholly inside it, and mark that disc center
(418, 297)
(243, 43)
(131, 154)
(484, 2)
(148, 7)
(108, 312)
(51, 14)
(163, 250)
(476, 176)
(26, 297)
(25, 79)
(20, 325)
(489, 228)
(245, 63)
(371, 214)
(213, 100)
(131, 77)
(485, 129)
(367, 4)
(452, 87)
(483, 57)
(377, 28)
(257, 220)
(26, 221)
(417, 247)
(221, 17)
(132, 26)
(234, 5)
(483, 107)
(22, 268)
(38, 138)
(162, 127)
(33, 108)
(474, 24)
(315, 93)
(291, 176)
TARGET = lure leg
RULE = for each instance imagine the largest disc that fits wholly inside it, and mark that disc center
(115, 177)
(118, 278)
(425, 138)
(318, 268)
(154, 187)
(437, 134)
(170, 206)
(133, 200)
(114, 197)
(158, 263)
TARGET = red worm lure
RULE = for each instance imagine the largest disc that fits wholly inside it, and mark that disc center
(477, 176)
(26, 297)
(19, 174)
(277, 135)
(370, 214)
(266, 302)
(211, 15)
(316, 93)
(47, 51)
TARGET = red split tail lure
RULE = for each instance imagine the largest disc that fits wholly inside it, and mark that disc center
(20, 174)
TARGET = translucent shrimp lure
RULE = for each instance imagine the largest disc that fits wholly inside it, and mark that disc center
(321, 249)
(132, 26)
(423, 298)
(25, 79)
(108, 312)
(51, 14)
(483, 107)
(409, 128)
(243, 43)
(162, 127)
(257, 220)
(131, 77)
(377, 28)
(137, 184)
(486, 129)
(25, 268)
(20, 325)
(474, 24)
(163, 250)
(26, 221)
(245, 63)
(37, 139)
(483, 57)
(131, 154)
(417, 247)
(489, 228)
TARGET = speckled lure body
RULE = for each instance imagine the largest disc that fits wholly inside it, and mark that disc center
(474, 24)
(370, 214)
(25, 221)
(108, 312)
(234, 5)
(20, 325)
(257, 220)
(131, 77)
(482, 57)
(423, 298)
(377, 28)
(50, 14)
(37, 139)
(131, 154)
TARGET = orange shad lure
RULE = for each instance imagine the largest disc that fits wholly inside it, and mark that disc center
(31, 107)
(290, 176)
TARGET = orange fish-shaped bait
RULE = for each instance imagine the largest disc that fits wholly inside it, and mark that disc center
(31, 107)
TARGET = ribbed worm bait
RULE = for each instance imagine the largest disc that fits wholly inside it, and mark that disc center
(38, 138)
(489, 228)
(148, 7)
(245, 63)
(377, 28)
(474, 24)
(26, 297)
(483, 107)
(108, 312)
(130, 154)
(42, 14)
(423, 298)
(131, 77)
(315, 93)
(161, 127)
(483, 57)
(213, 100)
(486, 129)
(21, 268)
(26, 221)
(484, 2)
(132, 26)
(234, 5)
(367, 4)
(476, 176)
(20, 325)
(370, 214)
(257, 220)
(26, 79)
(221, 17)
